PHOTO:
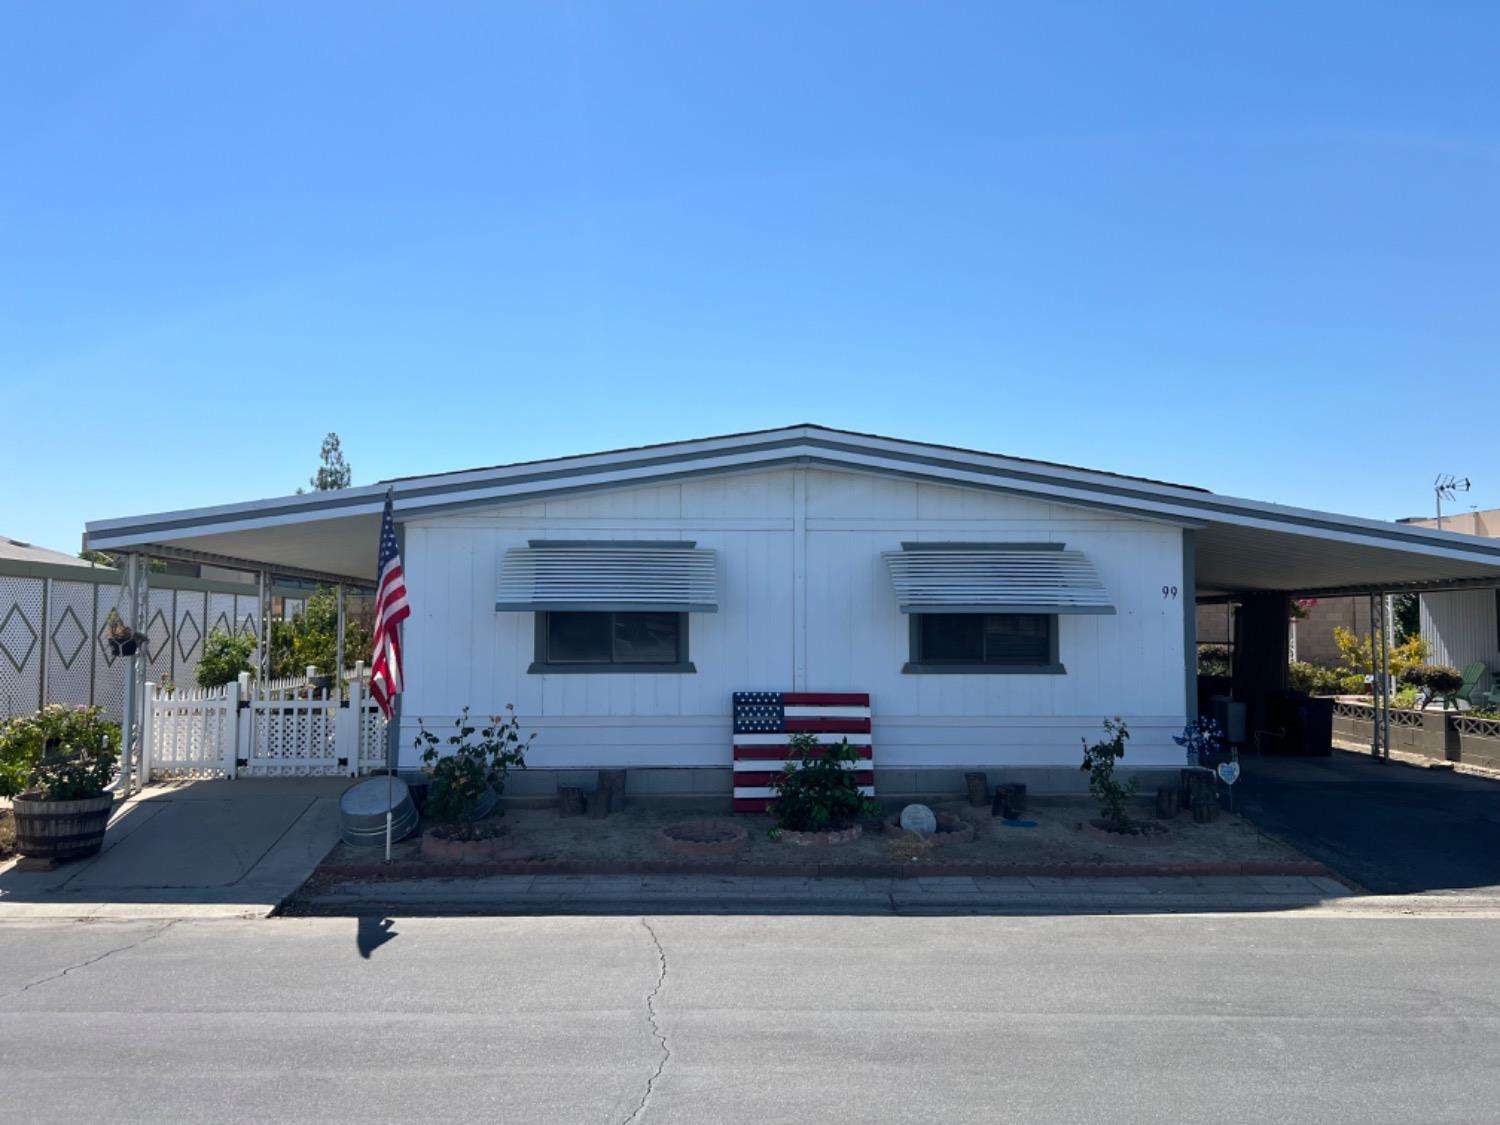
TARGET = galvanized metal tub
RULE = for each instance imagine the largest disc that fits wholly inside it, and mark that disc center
(363, 807)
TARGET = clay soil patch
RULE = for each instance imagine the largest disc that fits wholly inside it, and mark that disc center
(631, 836)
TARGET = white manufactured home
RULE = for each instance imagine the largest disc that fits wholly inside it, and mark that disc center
(994, 610)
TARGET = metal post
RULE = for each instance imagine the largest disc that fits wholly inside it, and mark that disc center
(1387, 631)
(1374, 687)
(127, 712)
(143, 656)
(262, 620)
(338, 675)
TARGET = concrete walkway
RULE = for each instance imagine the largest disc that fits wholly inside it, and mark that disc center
(199, 849)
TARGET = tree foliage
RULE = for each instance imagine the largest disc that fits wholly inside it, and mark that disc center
(333, 472)
(225, 656)
(1357, 659)
(312, 637)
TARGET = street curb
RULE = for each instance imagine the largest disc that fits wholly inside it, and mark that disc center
(917, 870)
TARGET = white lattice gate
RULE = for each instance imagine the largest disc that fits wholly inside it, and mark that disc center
(281, 729)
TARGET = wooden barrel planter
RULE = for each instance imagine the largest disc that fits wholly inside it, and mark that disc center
(61, 830)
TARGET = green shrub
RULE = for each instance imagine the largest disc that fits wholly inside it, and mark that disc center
(1314, 679)
(471, 768)
(817, 791)
(225, 656)
(1099, 760)
(50, 735)
(1214, 660)
(1438, 679)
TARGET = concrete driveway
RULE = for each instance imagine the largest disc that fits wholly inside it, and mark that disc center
(1392, 828)
(206, 848)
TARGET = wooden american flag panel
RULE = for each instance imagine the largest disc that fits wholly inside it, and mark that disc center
(764, 722)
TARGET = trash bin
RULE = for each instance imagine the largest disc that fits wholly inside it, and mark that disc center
(1307, 723)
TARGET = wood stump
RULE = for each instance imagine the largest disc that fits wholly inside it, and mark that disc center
(979, 789)
(1010, 800)
(613, 783)
(569, 800)
(1205, 812)
(1166, 802)
(598, 805)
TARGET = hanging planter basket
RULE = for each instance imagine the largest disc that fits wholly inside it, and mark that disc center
(125, 643)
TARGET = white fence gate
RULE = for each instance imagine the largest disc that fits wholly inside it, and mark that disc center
(279, 729)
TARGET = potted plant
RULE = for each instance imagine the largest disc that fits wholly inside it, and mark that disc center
(120, 638)
(58, 765)
(465, 783)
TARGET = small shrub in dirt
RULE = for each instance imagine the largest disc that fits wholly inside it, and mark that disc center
(817, 791)
(1099, 760)
(464, 774)
(7, 835)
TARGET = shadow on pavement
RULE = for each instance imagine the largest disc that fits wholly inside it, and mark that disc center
(1390, 827)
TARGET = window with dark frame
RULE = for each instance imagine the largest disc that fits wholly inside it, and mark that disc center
(984, 642)
(616, 641)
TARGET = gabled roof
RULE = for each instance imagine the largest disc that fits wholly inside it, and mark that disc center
(1241, 544)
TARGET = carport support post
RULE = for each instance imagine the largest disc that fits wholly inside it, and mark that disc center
(127, 711)
(338, 681)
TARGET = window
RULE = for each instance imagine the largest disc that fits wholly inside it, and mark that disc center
(611, 642)
(984, 643)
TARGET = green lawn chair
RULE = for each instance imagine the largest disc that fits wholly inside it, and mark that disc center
(1465, 690)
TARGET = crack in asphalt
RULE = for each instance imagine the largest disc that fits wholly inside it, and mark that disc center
(651, 1016)
(156, 933)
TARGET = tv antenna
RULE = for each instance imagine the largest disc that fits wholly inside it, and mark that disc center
(1447, 486)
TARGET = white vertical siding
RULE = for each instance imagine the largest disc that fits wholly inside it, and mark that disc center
(459, 650)
(1461, 628)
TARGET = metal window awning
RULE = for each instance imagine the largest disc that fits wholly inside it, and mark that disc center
(609, 576)
(995, 578)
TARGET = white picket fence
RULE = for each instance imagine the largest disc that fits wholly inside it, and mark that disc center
(282, 728)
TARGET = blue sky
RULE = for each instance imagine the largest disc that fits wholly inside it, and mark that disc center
(1256, 249)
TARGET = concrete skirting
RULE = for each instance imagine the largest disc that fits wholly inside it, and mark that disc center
(538, 787)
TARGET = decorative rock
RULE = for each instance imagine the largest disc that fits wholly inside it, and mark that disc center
(950, 829)
(918, 819)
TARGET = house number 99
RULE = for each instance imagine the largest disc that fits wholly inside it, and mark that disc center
(1169, 591)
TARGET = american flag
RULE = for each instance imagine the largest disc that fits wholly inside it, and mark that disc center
(390, 610)
(764, 722)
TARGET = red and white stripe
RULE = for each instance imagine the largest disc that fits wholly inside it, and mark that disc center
(833, 716)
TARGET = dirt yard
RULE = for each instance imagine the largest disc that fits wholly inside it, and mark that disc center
(1058, 837)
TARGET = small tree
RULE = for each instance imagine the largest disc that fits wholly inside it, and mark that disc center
(312, 637)
(1099, 760)
(225, 656)
(334, 472)
(470, 768)
(1356, 657)
(817, 791)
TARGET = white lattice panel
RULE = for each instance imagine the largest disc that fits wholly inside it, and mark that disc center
(292, 738)
(191, 734)
(20, 645)
(70, 652)
(187, 636)
(158, 629)
(372, 738)
(220, 615)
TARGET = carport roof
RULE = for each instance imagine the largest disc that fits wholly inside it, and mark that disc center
(1241, 545)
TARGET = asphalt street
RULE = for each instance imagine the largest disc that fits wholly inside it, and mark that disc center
(1301, 1016)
